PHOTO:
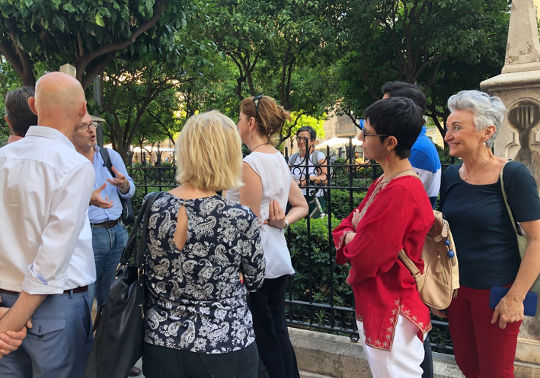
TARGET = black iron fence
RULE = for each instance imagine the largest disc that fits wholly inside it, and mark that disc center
(318, 296)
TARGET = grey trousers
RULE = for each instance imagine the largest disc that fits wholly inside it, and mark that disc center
(58, 344)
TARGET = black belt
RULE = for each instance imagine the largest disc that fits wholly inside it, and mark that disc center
(80, 289)
(106, 224)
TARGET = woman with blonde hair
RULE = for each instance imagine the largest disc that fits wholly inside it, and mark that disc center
(268, 186)
(198, 323)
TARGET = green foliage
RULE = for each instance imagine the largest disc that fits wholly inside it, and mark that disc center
(274, 48)
(443, 46)
(313, 259)
(8, 80)
(298, 120)
(345, 201)
(88, 34)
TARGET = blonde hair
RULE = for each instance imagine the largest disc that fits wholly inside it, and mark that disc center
(209, 152)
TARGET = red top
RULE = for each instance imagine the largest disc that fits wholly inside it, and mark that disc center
(399, 217)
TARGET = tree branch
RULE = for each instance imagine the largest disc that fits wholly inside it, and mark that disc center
(85, 60)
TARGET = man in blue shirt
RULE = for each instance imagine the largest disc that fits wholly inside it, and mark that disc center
(109, 236)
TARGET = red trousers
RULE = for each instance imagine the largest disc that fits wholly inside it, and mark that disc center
(482, 349)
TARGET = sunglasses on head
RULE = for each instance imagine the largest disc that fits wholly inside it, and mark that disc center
(256, 100)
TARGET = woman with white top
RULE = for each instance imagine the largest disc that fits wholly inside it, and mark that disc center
(268, 187)
(309, 166)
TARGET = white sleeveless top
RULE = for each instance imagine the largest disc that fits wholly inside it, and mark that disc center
(276, 182)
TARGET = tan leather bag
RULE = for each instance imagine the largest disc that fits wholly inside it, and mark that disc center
(440, 280)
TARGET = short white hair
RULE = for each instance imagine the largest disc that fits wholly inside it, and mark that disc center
(487, 110)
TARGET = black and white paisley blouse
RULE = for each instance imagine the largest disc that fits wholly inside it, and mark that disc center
(195, 300)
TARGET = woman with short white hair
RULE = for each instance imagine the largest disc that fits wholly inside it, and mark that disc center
(471, 199)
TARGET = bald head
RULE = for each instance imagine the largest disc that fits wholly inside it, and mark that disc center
(59, 102)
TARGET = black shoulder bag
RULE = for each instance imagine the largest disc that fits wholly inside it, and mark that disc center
(119, 336)
(128, 215)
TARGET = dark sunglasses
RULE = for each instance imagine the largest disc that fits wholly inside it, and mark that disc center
(256, 100)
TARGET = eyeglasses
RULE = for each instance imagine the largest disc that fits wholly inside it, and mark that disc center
(256, 100)
(372, 134)
(363, 131)
(86, 126)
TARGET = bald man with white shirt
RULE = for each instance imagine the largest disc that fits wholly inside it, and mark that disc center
(46, 259)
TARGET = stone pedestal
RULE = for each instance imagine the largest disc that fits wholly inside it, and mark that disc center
(518, 86)
(519, 138)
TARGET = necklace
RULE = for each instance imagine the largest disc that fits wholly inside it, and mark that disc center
(388, 179)
(257, 146)
(469, 175)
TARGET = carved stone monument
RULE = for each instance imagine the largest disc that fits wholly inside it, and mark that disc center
(518, 86)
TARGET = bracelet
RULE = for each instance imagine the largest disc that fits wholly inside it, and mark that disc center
(286, 223)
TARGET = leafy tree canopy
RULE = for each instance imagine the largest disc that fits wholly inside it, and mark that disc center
(88, 34)
(443, 46)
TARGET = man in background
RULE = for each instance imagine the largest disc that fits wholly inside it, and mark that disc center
(46, 259)
(109, 235)
(18, 115)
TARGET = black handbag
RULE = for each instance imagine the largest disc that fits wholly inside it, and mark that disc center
(128, 215)
(119, 336)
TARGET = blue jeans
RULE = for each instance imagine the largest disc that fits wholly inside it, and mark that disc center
(58, 344)
(108, 244)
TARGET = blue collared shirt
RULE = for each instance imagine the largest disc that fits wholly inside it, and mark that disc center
(97, 214)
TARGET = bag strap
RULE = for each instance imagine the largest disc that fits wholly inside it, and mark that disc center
(409, 264)
(506, 200)
(402, 255)
(106, 160)
(132, 239)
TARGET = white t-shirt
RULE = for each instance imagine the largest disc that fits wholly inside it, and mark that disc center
(297, 165)
(276, 182)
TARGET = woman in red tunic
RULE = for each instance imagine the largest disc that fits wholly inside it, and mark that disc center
(395, 214)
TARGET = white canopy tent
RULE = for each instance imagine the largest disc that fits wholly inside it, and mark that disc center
(337, 142)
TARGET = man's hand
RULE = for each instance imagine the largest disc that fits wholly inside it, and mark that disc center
(96, 199)
(11, 340)
(120, 181)
(508, 310)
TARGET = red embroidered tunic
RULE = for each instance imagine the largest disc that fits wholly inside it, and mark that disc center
(399, 217)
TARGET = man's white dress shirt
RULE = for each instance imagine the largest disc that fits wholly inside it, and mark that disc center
(45, 235)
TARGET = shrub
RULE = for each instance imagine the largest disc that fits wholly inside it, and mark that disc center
(317, 279)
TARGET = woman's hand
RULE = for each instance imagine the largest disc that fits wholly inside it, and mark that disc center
(355, 218)
(276, 215)
(509, 310)
(349, 236)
